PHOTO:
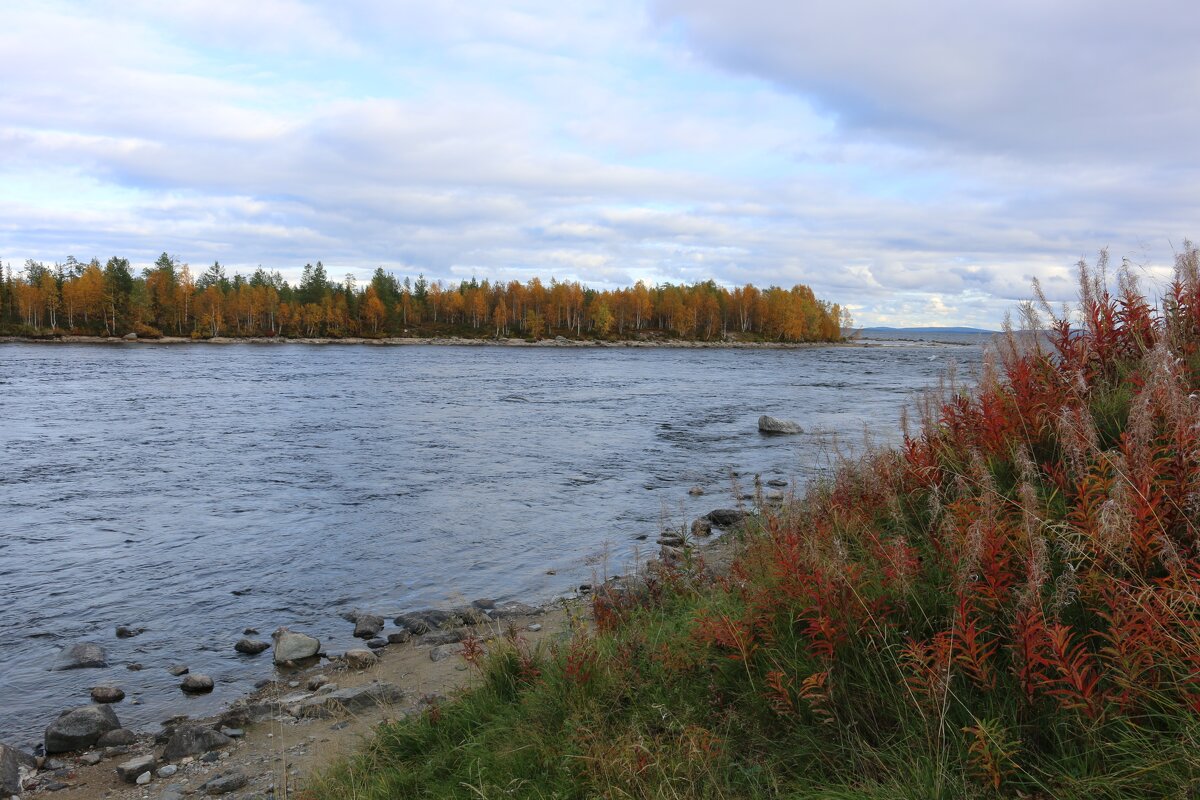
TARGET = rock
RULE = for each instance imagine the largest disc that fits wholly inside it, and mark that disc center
(670, 541)
(224, 784)
(292, 646)
(91, 759)
(130, 770)
(470, 615)
(130, 337)
(695, 491)
(430, 619)
(367, 626)
(484, 603)
(119, 738)
(251, 647)
(80, 728)
(250, 632)
(134, 667)
(316, 682)
(778, 483)
(534, 628)
(399, 637)
(192, 740)
(350, 699)
(702, 527)
(514, 609)
(233, 733)
(442, 652)
(175, 791)
(441, 637)
(125, 632)
(726, 517)
(108, 694)
(85, 655)
(774, 425)
(15, 767)
(178, 669)
(167, 770)
(360, 659)
(196, 684)
(377, 643)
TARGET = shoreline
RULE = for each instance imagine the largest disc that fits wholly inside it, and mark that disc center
(448, 341)
(303, 716)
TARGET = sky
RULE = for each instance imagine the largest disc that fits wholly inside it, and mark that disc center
(920, 163)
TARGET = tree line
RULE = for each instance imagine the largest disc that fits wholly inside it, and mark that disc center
(167, 298)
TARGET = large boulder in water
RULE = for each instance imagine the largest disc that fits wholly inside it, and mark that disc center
(80, 728)
(774, 425)
(15, 766)
(83, 655)
(292, 646)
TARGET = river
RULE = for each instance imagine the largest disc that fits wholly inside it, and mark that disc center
(198, 490)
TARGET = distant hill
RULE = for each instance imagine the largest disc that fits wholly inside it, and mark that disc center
(925, 330)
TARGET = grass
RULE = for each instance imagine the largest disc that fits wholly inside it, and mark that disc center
(1008, 605)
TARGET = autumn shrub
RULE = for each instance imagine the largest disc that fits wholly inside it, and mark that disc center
(1007, 604)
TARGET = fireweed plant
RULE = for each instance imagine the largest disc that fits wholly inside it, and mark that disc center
(1007, 604)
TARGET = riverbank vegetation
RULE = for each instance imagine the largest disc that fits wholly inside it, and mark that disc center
(1006, 605)
(168, 299)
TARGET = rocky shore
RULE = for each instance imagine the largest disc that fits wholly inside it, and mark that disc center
(451, 341)
(315, 707)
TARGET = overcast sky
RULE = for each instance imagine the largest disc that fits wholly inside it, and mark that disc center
(919, 162)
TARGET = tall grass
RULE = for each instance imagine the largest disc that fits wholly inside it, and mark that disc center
(1006, 605)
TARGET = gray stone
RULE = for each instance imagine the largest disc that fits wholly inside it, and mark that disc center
(130, 337)
(695, 491)
(470, 615)
(196, 684)
(15, 767)
(108, 694)
(292, 646)
(726, 517)
(349, 700)
(129, 771)
(484, 603)
(442, 652)
(119, 738)
(178, 669)
(191, 740)
(377, 643)
(80, 728)
(84, 655)
(430, 619)
(778, 483)
(144, 778)
(233, 733)
(316, 682)
(126, 632)
(367, 626)
(174, 791)
(774, 425)
(441, 637)
(91, 759)
(360, 659)
(167, 770)
(701, 527)
(398, 637)
(514, 609)
(251, 647)
(224, 784)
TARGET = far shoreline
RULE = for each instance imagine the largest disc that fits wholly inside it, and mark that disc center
(452, 341)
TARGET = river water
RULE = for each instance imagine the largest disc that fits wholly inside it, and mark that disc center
(199, 490)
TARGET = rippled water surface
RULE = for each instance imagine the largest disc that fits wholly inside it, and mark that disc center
(196, 491)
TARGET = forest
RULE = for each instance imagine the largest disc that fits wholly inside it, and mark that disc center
(168, 299)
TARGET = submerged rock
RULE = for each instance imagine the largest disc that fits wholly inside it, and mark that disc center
(126, 632)
(775, 425)
(108, 694)
(367, 626)
(292, 646)
(84, 655)
(196, 684)
(251, 647)
(80, 728)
